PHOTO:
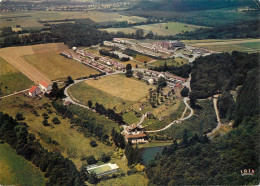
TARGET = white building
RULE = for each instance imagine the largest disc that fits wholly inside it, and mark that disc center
(45, 87)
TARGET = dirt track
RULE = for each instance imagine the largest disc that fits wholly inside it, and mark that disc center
(13, 56)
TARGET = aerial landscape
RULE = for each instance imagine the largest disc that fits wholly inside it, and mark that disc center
(129, 92)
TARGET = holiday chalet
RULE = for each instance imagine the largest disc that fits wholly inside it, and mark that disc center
(135, 134)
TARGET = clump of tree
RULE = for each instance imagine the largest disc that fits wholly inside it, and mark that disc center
(91, 160)
(105, 158)
(129, 72)
(107, 53)
(118, 139)
(93, 143)
(182, 71)
(19, 116)
(55, 120)
(133, 154)
(185, 92)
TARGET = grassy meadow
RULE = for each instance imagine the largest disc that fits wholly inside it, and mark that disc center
(228, 45)
(11, 79)
(164, 29)
(29, 19)
(15, 170)
(115, 91)
(55, 66)
(170, 62)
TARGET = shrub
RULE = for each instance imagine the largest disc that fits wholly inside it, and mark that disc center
(55, 120)
(93, 143)
(19, 116)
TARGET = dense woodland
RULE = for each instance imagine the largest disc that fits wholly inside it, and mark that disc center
(182, 71)
(57, 169)
(221, 160)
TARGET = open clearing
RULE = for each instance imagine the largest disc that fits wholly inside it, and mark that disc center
(11, 79)
(55, 66)
(164, 29)
(29, 19)
(229, 45)
(111, 91)
(15, 170)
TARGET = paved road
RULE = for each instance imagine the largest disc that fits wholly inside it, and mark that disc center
(14, 93)
(68, 98)
(179, 120)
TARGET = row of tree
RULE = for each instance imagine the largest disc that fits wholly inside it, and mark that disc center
(182, 71)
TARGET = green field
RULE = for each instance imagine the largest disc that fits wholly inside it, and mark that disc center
(15, 170)
(55, 66)
(170, 62)
(132, 180)
(28, 19)
(164, 29)
(111, 91)
(228, 45)
(11, 79)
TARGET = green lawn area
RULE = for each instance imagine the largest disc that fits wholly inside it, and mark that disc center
(11, 79)
(111, 91)
(252, 45)
(55, 66)
(15, 170)
(143, 58)
(131, 118)
(170, 62)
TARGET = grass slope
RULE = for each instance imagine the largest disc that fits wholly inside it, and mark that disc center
(170, 62)
(11, 79)
(15, 170)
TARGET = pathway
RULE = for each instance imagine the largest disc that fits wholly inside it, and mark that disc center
(179, 120)
(14, 94)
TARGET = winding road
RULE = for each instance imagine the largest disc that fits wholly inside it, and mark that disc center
(179, 120)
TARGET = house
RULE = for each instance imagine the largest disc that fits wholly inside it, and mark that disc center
(135, 134)
(34, 91)
(45, 87)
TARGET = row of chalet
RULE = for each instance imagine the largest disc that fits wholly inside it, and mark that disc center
(135, 134)
(111, 62)
(42, 88)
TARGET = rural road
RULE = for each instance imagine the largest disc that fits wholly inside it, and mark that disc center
(179, 120)
(14, 93)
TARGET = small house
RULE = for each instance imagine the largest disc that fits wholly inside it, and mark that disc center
(34, 91)
(45, 87)
(135, 134)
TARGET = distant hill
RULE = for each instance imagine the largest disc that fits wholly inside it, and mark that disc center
(191, 5)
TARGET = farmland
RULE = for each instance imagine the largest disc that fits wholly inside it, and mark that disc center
(164, 29)
(15, 170)
(55, 66)
(113, 91)
(29, 19)
(243, 45)
(11, 79)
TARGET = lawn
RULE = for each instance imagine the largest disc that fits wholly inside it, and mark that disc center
(164, 29)
(11, 79)
(55, 66)
(170, 62)
(131, 118)
(114, 91)
(15, 170)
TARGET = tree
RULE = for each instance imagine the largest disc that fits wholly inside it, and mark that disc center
(129, 72)
(140, 75)
(193, 98)
(93, 179)
(19, 116)
(93, 143)
(55, 120)
(105, 158)
(185, 92)
(91, 160)
(139, 34)
(161, 82)
(90, 104)
(185, 138)
(69, 80)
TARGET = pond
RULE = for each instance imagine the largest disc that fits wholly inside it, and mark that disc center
(150, 152)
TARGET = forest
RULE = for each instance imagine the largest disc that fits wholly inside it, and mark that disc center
(219, 161)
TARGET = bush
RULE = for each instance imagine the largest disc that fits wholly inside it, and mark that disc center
(55, 120)
(93, 143)
(19, 116)
(45, 116)
(105, 158)
(45, 122)
(91, 160)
